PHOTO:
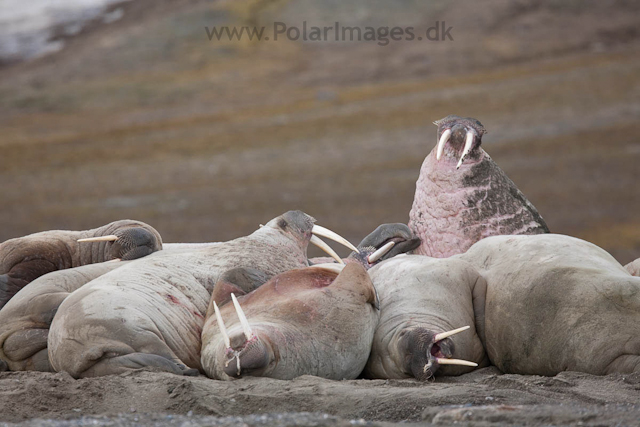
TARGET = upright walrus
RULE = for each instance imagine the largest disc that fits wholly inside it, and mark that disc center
(150, 312)
(462, 195)
(24, 259)
(313, 321)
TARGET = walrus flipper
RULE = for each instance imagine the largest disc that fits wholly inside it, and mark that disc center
(135, 361)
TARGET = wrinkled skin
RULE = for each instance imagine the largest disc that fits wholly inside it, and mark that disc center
(557, 303)
(25, 320)
(150, 313)
(542, 304)
(454, 208)
(309, 321)
(420, 297)
(24, 259)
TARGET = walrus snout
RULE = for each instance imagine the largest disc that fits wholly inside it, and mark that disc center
(459, 138)
(134, 243)
(386, 241)
(427, 351)
(251, 359)
(129, 243)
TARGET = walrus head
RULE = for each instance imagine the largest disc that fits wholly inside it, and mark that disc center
(459, 140)
(386, 241)
(425, 351)
(256, 349)
(302, 228)
(130, 243)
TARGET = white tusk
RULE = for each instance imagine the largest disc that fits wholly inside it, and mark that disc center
(325, 232)
(380, 252)
(261, 225)
(337, 268)
(442, 361)
(109, 238)
(114, 260)
(243, 319)
(223, 330)
(322, 245)
(467, 148)
(443, 140)
(443, 335)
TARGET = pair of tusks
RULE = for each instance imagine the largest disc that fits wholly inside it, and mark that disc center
(443, 361)
(325, 232)
(321, 231)
(445, 137)
(248, 333)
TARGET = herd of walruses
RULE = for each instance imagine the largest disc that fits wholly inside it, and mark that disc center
(474, 279)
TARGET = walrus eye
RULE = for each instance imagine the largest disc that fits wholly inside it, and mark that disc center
(282, 223)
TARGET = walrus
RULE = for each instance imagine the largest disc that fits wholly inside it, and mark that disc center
(24, 259)
(430, 310)
(462, 195)
(26, 318)
(556, 303)
(150, 312)
(317, 321)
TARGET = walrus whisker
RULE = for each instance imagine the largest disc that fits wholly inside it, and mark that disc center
(467, 148)
(443, 335)
(380, 252)
(243, 319)
(325, 232)
(441, 143)
(322, 245)
(443, 361)
(109, 238)
(223, 329)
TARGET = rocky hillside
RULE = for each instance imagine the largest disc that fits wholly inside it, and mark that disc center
(146, 118)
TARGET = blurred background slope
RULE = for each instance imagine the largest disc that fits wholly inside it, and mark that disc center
(138, 115)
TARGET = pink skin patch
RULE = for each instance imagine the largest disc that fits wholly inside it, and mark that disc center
(453, 208)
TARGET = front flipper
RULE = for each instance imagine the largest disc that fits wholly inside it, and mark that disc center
(135, 361)
(20, 276)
